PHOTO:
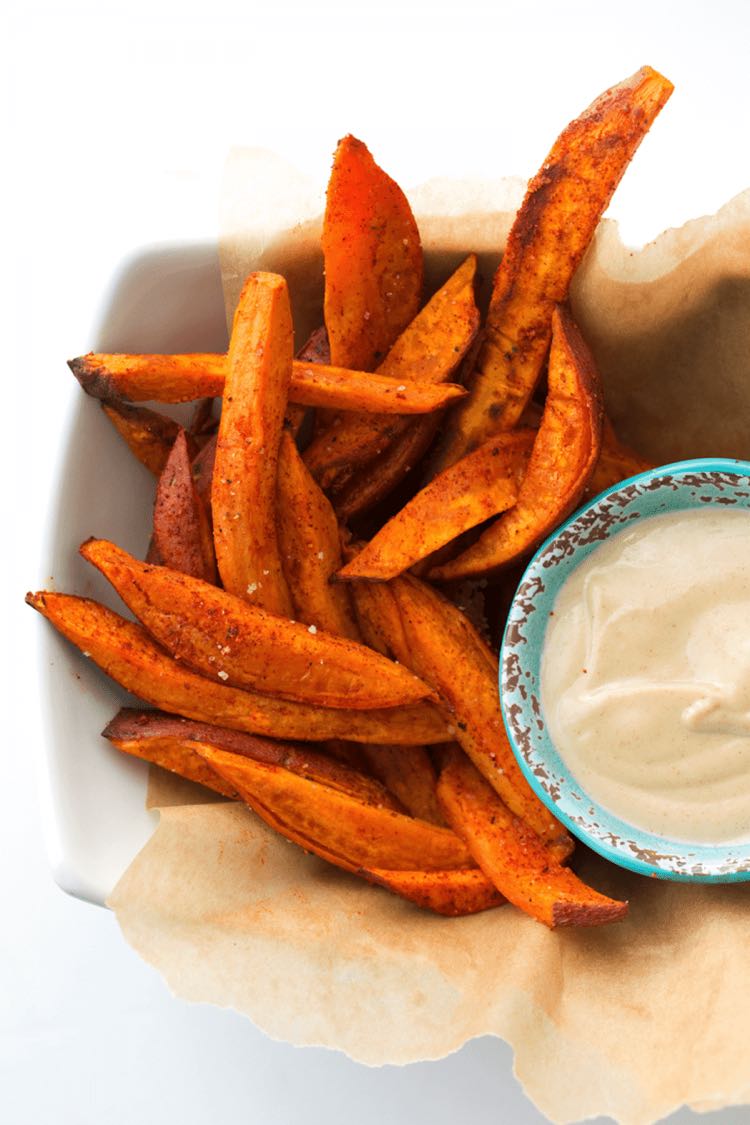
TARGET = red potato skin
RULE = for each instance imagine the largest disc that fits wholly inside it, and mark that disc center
(182, 532)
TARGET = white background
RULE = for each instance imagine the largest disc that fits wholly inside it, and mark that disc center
(116, 121)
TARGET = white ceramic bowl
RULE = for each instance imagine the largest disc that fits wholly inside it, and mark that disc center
(162, 299)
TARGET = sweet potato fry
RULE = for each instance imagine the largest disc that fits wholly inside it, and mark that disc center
(549, 237)
(310, 547)
(435, 638)
(221, 636)
(358, 492)
(379, 619)
(319, 817)
(477, 487)
(616, 462)
(182, 532)
(452, 893)
(243, 492)
(565, 452)
(125, 652)
(373, 259)
(427, 352)
(180, 378)
(150, 377)
(149, 436)
(374, 394)
(168, 741)
(512, 856)
(408, 773)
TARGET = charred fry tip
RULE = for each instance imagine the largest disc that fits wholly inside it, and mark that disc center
(85, 547)
(95, 380)
(36, 601)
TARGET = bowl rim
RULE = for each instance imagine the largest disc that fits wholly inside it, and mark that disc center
(730, 465)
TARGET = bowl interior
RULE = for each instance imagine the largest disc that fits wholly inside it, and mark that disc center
(161, 300)
(677, 487)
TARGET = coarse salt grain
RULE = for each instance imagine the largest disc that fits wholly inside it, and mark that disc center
(222, 674)
(312, 628)
(252, 587)
(321, 554)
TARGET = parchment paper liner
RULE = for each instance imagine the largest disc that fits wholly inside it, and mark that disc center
(631, 1020)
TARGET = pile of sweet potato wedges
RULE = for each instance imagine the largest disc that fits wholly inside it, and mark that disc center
(299, 614)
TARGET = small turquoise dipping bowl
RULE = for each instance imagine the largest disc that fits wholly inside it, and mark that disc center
(670, 488)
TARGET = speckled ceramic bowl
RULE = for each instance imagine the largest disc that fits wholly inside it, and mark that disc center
(685, 485)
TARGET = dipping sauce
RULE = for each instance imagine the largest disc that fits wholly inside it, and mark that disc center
(645, 675)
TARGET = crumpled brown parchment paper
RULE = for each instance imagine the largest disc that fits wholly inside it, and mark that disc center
(632, 1020)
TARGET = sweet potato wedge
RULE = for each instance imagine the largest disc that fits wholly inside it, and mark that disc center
(310, 547)
(125, 652)
(149, 435)
(320, 817)
(202, 472)
(379, 619)
(439, 641)
(182, 532)
(566, 449)
(180, 378)
(357, 492)
(477, 487)
(243, 491)
(373, 259)
(616, 463)
(549, 237)
(452, 893)
(223, 637)
(168, 742)
(151, 377)
(427, 352)
(513, 856)
(408, 773)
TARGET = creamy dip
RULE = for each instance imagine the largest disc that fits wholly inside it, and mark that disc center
(645, 675)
